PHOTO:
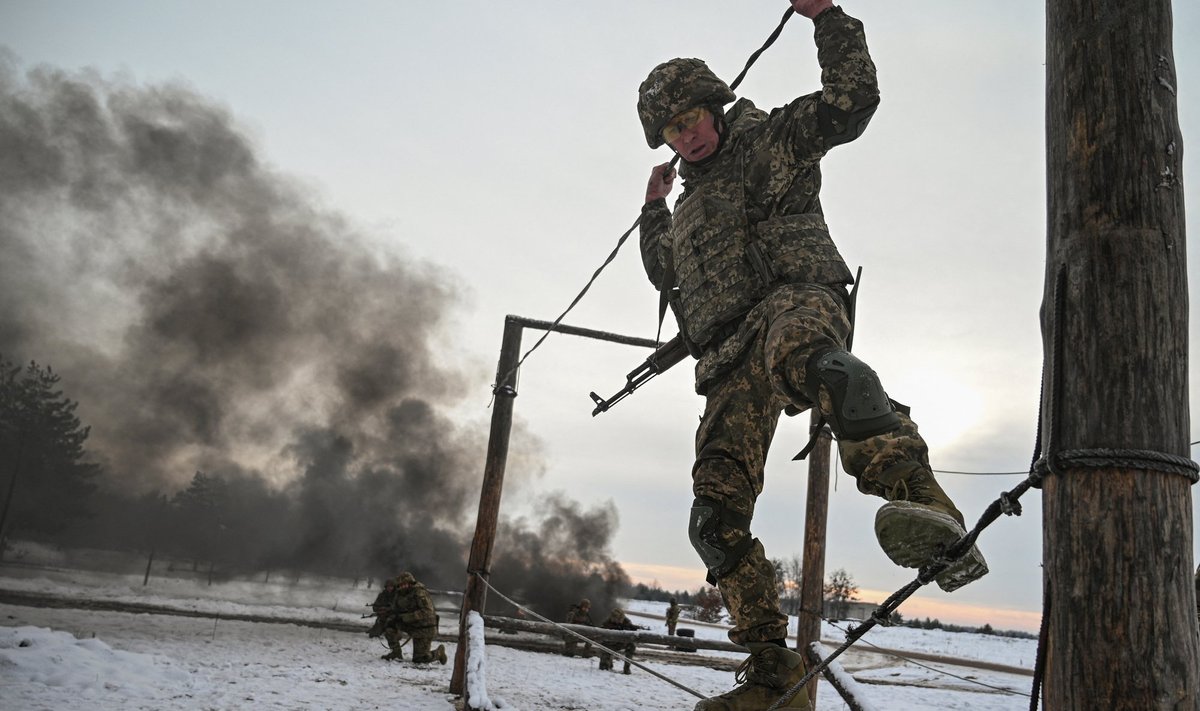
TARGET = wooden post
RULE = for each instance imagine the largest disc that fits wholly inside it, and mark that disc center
(1117, 532)
(149, 563)
(812, 584)
(475, 593)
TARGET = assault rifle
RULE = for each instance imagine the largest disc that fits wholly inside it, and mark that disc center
(667, 355)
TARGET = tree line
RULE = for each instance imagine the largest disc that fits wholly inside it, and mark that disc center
(49, 482)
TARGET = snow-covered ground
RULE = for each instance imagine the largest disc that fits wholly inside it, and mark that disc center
(55, 658)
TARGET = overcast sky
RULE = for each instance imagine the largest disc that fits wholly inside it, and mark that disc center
(500, 142)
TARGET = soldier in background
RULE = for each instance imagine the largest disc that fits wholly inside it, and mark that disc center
(385, 622)
(672, 616)
(759, 290)
(579, 614)
(416, 616)
(618, 621)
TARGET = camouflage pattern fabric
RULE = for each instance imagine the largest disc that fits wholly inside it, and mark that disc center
(384, 622)
(674, 87)
(414, 614)
(768, 168)
(672, 617)
(578, 615)
(618, 621)
(754, 366)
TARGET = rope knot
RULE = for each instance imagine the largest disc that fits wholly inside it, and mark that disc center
(1009, 506)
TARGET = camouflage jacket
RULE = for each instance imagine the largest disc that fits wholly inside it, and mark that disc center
(414, 608)
(576, 616)
(615, 622)
(749, 221)
(383, 602)
(672, 613)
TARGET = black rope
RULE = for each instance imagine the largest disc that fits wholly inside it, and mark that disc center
(1006, 504)
(1108, 458)
(1039, 664)
(620, 242)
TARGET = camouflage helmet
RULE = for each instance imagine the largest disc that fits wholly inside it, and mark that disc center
(406, 578)
(674, 87)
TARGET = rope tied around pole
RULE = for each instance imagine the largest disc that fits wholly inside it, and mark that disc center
(1110, 458)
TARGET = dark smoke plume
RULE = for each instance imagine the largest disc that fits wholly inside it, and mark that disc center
(209, 316)
(552, 564)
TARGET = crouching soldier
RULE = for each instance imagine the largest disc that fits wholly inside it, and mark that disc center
(385, 620)
(618, 621)
(416, 616)
(579, 614)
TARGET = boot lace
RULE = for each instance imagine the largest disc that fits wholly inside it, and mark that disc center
(759, 668)
(914, 488)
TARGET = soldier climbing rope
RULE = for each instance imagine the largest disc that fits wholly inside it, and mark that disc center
(624, 237)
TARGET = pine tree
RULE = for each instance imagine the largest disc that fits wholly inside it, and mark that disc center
(201, 510)
(42, 449)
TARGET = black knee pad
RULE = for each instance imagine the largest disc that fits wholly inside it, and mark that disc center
(861, 408)
(710, 520)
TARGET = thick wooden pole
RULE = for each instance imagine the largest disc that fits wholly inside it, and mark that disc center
(816, 517)
(475, 593)
(1117, 533)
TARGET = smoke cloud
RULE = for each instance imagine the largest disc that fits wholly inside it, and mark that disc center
(210, 316)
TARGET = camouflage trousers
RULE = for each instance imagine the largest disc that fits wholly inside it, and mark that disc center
(606, 659)
(422, 639)
(741, 412)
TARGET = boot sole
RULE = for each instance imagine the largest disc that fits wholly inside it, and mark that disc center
(912, 534)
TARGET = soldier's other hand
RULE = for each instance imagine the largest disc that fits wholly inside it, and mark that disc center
(811, 8)
(662, 179)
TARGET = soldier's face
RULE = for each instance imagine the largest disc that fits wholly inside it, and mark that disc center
(697, 142)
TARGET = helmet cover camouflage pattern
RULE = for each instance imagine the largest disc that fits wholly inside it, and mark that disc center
(406, 579)
(676, 86)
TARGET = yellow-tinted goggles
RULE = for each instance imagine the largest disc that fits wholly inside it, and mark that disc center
(681, 122)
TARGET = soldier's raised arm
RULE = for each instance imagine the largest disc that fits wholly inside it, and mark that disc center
(656, 221)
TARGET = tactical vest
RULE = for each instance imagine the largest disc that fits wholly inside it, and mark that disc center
(415, 608)
(724, 266)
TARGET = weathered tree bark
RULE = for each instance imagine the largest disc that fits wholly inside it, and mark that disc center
(1117, 533)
